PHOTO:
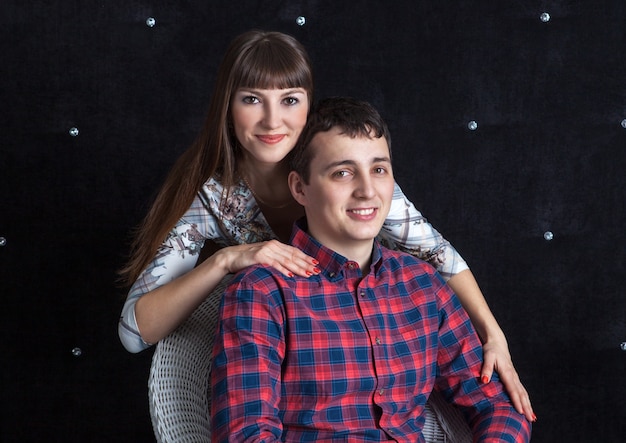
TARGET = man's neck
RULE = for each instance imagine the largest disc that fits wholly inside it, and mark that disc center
(360, 253)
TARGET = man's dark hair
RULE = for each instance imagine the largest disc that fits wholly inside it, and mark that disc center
(355, 118)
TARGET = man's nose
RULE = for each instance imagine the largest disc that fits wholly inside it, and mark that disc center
(365, 186)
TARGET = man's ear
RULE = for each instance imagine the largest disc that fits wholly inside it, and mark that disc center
(297, 187)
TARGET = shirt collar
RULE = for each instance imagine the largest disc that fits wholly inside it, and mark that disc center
(331, 263)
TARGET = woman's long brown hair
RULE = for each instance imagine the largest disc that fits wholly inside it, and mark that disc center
(255, 59)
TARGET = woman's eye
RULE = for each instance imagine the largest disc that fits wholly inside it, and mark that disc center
(250, 99)
(290, 101)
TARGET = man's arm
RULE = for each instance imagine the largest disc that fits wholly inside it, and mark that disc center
(488, 409)
(248, 351)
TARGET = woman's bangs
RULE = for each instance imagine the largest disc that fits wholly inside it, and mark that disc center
(271, 71)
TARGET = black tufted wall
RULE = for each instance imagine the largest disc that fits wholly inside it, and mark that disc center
(547, 95)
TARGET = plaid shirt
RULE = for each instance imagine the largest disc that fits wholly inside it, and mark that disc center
(343, 356)
(239, 220)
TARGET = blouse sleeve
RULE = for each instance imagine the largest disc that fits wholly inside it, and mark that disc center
(226, 218)
(407, 230)
(177, 255)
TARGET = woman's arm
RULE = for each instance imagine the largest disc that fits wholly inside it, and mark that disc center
(160, 311)
(496, 355)
(176, 282)
(466, 288)
(488, 410)
(407, 230)
(148, 317)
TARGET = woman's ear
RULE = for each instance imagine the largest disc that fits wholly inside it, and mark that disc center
(297, 187)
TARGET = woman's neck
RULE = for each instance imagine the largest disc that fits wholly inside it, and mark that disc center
(268, 182)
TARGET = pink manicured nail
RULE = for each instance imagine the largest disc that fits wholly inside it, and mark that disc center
(309, 273)
(315, 262)
(316, 270)
(485, 379)
(534, 418)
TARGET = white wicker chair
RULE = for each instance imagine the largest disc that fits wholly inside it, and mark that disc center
(179, 386)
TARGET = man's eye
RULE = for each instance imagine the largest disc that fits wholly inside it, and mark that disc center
(380, 170)
(341, 174)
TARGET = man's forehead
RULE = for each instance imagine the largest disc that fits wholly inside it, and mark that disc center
(336, 146)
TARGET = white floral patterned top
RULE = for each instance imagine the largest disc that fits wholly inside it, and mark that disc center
(238, 220)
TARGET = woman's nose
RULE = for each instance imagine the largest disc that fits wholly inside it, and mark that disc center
(271, 116)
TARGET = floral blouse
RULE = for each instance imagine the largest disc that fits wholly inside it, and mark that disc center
(238, 220)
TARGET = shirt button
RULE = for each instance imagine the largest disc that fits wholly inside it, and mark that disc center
(378, 340)
(350, 265)
(331, 275)
(362, 294)
(381, 392)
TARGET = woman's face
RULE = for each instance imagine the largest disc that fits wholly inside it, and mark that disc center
(268, 122)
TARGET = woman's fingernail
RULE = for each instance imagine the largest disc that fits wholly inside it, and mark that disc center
(315, 262)
(485, 379)
(309, 273)
(534, 418)
(316, 270)
(290, 274)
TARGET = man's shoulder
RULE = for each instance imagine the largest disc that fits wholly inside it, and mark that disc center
(404, 259)
(265, 279)
(257, 274)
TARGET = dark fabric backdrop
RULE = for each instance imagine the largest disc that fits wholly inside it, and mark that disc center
(549, 98)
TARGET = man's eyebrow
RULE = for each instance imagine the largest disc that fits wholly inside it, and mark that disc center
(381, 160)
(353, 163)
(339, 163)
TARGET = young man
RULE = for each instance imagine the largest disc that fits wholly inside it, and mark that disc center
(353, 353)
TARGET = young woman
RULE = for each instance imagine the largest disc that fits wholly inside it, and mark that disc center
(226, 205)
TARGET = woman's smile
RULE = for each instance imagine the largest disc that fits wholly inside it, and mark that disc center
(271, 139)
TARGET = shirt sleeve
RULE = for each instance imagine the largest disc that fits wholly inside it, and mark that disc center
(177, 255)
(407, 230)
(246, 375)
(487, 407)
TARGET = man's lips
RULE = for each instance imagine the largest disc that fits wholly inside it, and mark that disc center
(367, 211)
(271, 139)
(363, 214)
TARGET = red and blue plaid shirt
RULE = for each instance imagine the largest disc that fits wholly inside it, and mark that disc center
(348, 356)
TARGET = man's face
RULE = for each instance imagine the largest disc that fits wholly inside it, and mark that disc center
(349, 192)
